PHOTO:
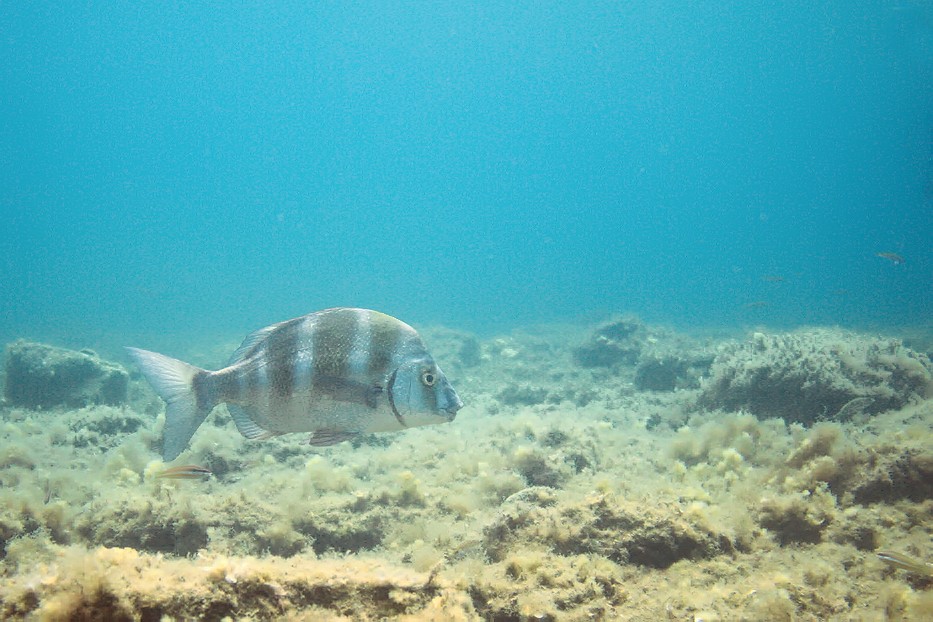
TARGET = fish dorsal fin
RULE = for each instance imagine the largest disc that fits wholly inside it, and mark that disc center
(249, 344)
(245, 424)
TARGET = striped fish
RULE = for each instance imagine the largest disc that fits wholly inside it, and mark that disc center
(336, 373)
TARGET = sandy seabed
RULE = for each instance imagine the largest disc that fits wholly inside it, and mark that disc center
(622, 471)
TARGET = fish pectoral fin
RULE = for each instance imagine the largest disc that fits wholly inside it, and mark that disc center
(349, 390)
(323, 438)
(245, 424)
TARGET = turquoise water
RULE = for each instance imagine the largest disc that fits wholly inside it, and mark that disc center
(178, 170)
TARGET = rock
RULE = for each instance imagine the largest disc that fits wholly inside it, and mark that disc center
(652, 358)
(670, 372)
(104, 427)
(522, 395)
(816, 375)
(795, 519)
(470, 352)
(39, 376)
(617, 343)
(623, 532)
(892, 477)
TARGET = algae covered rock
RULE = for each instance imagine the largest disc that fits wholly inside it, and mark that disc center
(103, 427)
(907, 474)
(669, 372)
(652, 358)
(618, 342)
(112, 583)
(40, 376)
(796, 519)
(621, 531)
(816, 375)
(522, 395)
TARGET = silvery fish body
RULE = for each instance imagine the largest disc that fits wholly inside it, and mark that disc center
(335, 373)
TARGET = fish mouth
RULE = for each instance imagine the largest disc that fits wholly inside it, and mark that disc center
(451, 411)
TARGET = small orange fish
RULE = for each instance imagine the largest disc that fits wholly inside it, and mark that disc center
(185, 471)
(892, 257)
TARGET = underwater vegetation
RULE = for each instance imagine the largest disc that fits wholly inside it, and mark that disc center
(618, 471)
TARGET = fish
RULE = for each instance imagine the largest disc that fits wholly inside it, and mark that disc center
(184, 471)
(892, 257)
(337, 373)
(905, 562)
(773, 278)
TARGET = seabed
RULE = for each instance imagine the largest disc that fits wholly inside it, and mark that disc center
(622, 471)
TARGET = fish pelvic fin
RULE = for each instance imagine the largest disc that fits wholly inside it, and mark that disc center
(186, 391)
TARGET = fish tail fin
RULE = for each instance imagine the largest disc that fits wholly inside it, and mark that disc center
(187, 394)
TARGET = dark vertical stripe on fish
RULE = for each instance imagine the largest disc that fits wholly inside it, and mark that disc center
(332, 339)
(224, 386)
(281, 346)
(202, 390)
(429, 396)
(384, 339)
(253, 376)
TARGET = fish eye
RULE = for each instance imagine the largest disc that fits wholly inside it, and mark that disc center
(428, 378)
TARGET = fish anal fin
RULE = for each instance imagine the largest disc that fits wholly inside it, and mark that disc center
(245, 424)
(325, 438)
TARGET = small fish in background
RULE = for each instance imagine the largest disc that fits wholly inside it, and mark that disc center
(757, 304)
(892, 257)
(336, 373)
(184, 471)
(773, 278)
(905, 562)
